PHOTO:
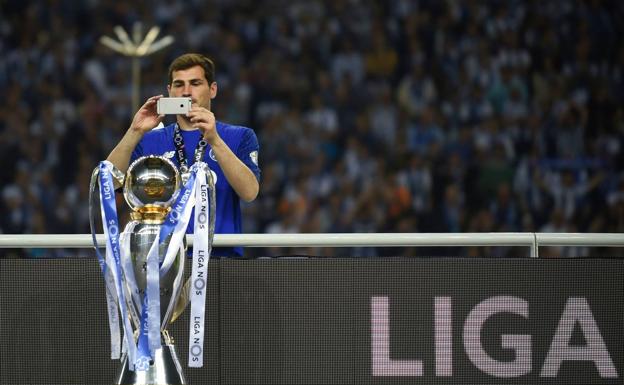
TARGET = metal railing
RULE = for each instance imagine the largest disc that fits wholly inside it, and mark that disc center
(531, 240)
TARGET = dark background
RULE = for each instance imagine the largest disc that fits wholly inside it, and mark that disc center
(307, 321)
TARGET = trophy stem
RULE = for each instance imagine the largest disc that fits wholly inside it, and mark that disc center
(165, 370)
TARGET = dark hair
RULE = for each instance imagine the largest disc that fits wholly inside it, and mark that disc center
(189, 60)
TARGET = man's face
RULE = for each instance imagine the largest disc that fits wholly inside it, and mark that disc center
(192, 83)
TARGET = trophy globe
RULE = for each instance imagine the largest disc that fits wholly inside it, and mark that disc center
(151, 186)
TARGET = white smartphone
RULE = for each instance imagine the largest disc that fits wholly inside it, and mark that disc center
(173, 106)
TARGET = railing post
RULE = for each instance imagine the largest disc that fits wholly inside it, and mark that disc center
(534, 247)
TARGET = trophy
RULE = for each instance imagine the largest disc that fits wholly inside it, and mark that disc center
(151, 185)
(144, 265)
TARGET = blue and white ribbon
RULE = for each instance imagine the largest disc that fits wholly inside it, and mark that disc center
(199, 273)
(111, 302)
(113, 316)
(128, 270)
(110, 224)
(176, 222)
(152, 293)
(109, 283)
(144, 355)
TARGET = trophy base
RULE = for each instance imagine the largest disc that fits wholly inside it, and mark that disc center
(165, 370)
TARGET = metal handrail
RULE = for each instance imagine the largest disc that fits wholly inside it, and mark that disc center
(528, 239)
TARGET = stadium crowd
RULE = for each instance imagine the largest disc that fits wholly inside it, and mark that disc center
(372, 116)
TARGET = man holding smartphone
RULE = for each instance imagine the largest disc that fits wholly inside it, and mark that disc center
(230, 151)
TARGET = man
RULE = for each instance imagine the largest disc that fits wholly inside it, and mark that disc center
(231, 151)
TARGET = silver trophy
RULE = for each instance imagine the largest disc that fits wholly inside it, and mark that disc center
(151, 186)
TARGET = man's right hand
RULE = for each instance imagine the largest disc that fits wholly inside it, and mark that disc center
(146, 117)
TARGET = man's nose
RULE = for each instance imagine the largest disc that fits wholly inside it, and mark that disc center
(187, 90)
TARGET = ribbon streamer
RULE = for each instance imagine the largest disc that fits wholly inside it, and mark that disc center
(109, 283)
(177, 220)
(204, 223)
(110, 224)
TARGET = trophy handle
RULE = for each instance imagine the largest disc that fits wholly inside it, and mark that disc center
(133, 300)
(183, 301)
(118, 176)
(176, 296)
(92, 188)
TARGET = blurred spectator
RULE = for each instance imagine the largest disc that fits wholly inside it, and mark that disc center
(372, 116)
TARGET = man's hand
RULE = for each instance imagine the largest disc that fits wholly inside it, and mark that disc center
(240, 177)
(144, 120)
(146, 117)
(204, 120)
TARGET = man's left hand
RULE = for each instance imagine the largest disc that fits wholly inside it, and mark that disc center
(204, 120)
